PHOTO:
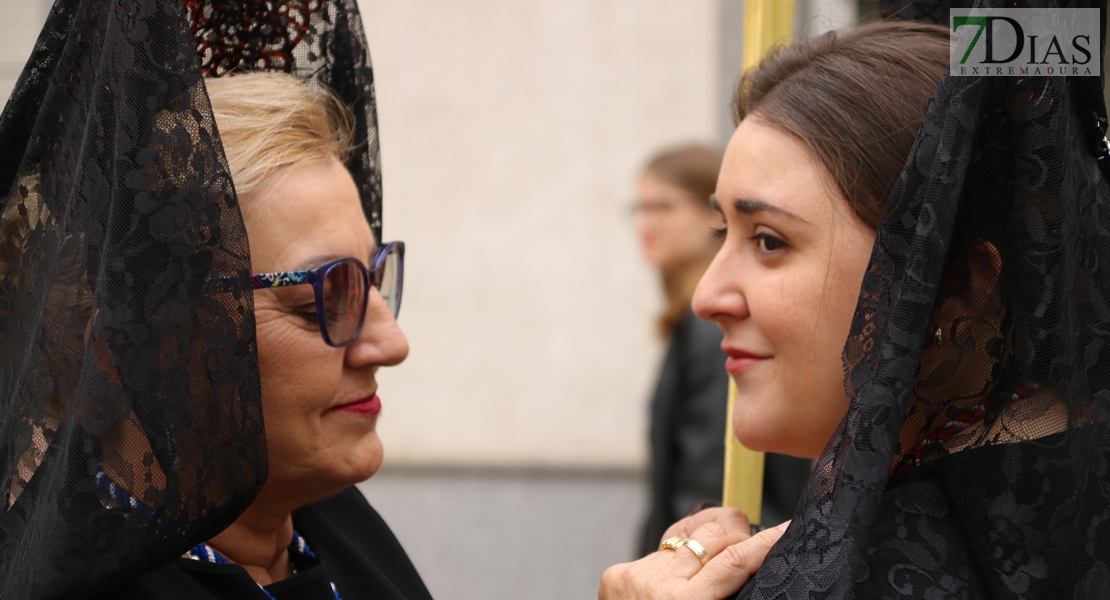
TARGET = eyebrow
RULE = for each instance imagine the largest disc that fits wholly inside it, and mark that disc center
(315, 261)
(747, 207)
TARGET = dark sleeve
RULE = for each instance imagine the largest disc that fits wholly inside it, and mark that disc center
(364, 558)
(700, 417)
(667, 393)
(185, 579)
(361, 555)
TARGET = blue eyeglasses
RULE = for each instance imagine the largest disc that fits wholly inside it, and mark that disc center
(342, 290)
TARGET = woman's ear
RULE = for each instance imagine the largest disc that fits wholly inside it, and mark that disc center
(984, 266)
(969, 289)
(972, 276)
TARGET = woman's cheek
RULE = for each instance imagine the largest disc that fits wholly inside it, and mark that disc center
(294, 362)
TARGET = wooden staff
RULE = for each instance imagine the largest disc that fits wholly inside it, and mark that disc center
(766, 23)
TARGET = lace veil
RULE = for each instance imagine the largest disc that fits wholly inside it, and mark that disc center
(130, 416)
(973, 460)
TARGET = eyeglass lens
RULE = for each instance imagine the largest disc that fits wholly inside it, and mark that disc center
(344, 301)
(389, 278)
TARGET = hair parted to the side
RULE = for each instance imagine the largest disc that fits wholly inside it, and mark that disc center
(855, 97)
(271, 122)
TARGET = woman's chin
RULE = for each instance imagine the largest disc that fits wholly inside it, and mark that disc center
(755, 440)
(778, 441)
(366, 459)
(757, 429)
(341, 466)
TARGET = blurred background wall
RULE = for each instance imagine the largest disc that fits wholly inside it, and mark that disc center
(25, 19)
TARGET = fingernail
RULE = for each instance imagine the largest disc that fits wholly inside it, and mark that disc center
(783, 526)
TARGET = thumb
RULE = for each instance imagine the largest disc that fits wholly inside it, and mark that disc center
(726, 572)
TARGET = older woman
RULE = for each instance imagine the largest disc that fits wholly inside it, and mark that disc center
(195, 302)
(325, 325)
(923, 315)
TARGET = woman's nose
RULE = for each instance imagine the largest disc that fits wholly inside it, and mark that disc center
(380, 342)
(719, 295)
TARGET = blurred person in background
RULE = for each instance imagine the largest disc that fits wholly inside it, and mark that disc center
(689, 406)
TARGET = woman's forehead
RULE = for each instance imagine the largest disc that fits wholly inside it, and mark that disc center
(764, 164)
(309, 212)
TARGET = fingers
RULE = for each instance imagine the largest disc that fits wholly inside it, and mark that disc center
(714, 536)
(723, 575)
(731, 518)
(612, 582)
(652, 577)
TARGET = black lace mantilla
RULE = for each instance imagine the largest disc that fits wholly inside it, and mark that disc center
(130, 415)
(997, 234)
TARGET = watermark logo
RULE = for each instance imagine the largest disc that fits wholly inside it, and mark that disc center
(1025, 41)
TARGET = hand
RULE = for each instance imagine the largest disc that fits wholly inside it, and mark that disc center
(734, 554)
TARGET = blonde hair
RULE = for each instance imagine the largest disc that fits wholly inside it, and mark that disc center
(270, 122)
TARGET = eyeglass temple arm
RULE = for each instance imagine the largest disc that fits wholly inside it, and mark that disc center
(230, 283)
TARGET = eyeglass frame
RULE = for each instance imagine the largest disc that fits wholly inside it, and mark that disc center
(372, 277)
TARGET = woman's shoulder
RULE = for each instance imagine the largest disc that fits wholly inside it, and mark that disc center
(348, 499)
(358, 547)
(361, 556)
(345, 516)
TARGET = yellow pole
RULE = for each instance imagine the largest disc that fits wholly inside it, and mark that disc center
(743, 471)
(766, 23)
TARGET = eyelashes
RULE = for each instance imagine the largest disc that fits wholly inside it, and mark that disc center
(768, 244)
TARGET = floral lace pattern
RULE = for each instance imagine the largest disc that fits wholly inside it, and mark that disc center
(251, 34)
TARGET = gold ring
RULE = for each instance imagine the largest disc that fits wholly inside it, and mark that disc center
(698, 549)
(671, 543)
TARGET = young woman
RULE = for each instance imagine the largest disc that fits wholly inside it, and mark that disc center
(689, 407)
(908, 291)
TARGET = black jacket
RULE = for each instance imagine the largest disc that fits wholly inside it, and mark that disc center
(356, 550)
(688, 425)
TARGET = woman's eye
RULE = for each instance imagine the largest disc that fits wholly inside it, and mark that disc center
(309, 315)
(718, 233)
(769, 243)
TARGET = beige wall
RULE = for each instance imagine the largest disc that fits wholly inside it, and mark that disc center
(511, 135)
(24, 21)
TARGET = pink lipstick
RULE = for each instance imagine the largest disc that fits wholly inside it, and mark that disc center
(740, 360)
(366, 406)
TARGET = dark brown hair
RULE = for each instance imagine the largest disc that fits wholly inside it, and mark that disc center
(855, 97)
(693, 168)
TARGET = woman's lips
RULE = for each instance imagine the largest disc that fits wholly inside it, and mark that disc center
(741, 360)
(366, 406)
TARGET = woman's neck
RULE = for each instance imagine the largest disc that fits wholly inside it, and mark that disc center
(258, 541)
